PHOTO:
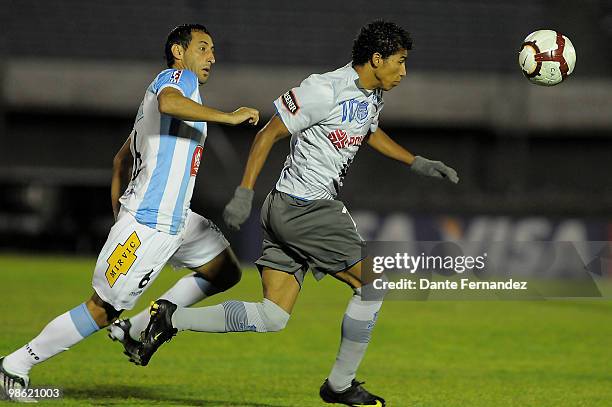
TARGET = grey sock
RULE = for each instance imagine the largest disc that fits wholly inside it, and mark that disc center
(359, 320)
(232, 316)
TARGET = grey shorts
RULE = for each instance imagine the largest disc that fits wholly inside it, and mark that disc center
(298, 235)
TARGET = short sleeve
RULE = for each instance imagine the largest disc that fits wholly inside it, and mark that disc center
(182, 79)
(306, 105)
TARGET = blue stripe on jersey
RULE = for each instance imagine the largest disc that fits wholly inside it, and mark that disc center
(177, 216)
(200, 126)
(149, 207)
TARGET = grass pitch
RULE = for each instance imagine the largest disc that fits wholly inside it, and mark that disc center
(546, 353)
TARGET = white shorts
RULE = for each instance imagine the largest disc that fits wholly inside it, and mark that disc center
(134, 254)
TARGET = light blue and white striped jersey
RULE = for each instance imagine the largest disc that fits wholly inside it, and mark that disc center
(167, 153)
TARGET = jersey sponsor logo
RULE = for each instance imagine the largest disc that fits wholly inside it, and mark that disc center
(195, 160)
(290, 102)
(176, 76)
(122, 258)
(362, 112)
(355, 110)
(340, 139)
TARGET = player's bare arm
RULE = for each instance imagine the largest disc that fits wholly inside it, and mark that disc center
(122, 167)
(273, 131)
(239, 208)
(381, 142)
(199, 58)
(173, 103)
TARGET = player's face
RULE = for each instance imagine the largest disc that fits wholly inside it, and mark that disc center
(392, 70)
(200, 55)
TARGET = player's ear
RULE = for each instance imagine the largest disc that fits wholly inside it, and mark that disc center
(177, 52)
(376, 60)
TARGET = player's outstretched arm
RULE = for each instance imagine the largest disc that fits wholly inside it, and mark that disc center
(381, 142)
(122, 167)
(172, 102)
(239, 208)
(273, 131)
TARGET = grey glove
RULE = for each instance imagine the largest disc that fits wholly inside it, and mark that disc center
(435, 169)
(239, 208)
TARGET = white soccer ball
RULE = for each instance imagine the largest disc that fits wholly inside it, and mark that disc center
(547, 57)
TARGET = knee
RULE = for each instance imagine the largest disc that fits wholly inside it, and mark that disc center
(275, 325)
(274, 317)
(223, 275)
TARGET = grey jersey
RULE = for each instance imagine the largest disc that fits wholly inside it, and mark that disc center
(328, 117)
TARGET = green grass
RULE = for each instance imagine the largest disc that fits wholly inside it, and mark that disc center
(548, 353)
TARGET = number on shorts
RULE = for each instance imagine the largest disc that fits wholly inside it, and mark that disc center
(145, 280)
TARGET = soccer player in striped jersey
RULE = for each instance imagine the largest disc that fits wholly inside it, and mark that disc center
(154, 224)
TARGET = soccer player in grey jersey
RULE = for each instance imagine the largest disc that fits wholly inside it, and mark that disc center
(328, 116)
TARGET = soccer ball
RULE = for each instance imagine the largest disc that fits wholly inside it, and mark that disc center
(547, 57)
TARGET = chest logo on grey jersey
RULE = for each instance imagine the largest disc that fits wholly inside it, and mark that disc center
(354, 110)
(341, 139)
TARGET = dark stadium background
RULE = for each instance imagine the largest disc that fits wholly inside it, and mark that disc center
(534, 163)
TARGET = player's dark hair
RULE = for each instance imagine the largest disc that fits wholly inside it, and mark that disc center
(380, 36)
(181, 35)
